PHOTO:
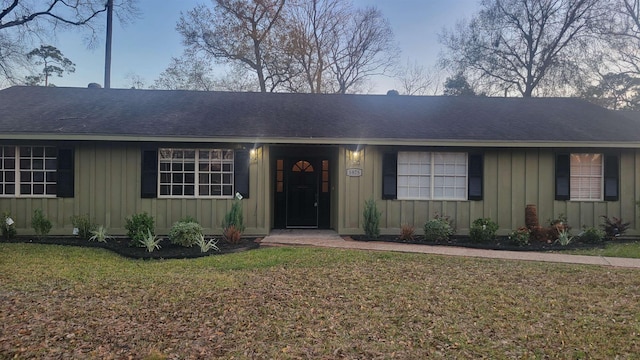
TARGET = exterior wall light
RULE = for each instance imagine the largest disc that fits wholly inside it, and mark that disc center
(355, 155)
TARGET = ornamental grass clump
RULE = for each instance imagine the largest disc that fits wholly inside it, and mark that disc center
(205, 245)
(564, 238)
(149, 241)
(438, 229)
(185, 233)
(407, 232)
(483, 230)
(100, 235)
(371, 219)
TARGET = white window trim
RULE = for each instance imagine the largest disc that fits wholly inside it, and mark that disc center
(196, 192)
(432, 177)
(571, 196)
(18, 182)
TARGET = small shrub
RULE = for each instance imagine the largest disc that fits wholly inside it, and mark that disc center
(613, 227)
(100, 235)
(371, 219)
(591, 235)
(520, 237)
(564, 238)
(231, 234)
(185, 233)
(138, 225)
(234, 217)
(40, 224)
(438, 229)
(7, 226)
(205, 245)
(188, 219)
(84, 225)
(149, 241)
(483, 230)
(407, 232)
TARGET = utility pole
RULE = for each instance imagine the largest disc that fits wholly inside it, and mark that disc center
(107, 53)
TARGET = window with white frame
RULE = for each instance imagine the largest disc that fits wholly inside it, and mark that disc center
(432, 175)
(196, 172)
(28, 171)
(586, 176)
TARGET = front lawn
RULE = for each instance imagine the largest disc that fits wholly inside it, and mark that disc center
(625, 250)
(71, 302)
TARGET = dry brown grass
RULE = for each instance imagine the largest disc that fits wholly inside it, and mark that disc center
(63, 302)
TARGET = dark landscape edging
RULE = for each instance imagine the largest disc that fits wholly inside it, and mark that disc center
(120, 246)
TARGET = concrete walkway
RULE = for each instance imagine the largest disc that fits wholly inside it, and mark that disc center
(329, 238)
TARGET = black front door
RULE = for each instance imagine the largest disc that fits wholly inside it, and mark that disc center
(302, 193)
(302, 186)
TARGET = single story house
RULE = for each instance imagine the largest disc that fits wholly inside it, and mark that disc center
(311, 161)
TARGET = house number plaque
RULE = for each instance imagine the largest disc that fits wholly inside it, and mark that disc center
(354, 172)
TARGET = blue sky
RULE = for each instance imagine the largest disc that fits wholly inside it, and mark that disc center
(145, 47)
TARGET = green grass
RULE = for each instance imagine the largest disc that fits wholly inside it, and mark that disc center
(625, 250)
(291, 303)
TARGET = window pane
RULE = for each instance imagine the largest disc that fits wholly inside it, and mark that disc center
(38, 189)
(9, 151)
(38, 176)
(51, 177)
(586, 176)
(25, 176)
(414, 170)
(51, 189)
(191, 179)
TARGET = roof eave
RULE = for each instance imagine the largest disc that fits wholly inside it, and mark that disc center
(324, 141)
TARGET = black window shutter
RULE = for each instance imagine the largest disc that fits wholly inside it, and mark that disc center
(65, 183)
(563, 177)
(475, 177)
(149, 181)
(241, 172)
(390, 176)
(611, 178)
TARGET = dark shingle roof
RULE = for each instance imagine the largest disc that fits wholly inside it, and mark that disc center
(125, 112)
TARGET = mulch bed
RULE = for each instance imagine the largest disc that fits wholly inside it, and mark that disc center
(502, 243)
(120, 245)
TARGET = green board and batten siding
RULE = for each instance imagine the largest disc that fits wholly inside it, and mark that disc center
(513, 178)
(107, 178)
(107, 188)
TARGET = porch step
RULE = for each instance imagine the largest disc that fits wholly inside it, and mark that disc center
(300, 237)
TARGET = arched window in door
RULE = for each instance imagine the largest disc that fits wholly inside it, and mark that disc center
(302, 166)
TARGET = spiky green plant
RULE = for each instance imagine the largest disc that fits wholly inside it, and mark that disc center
(371, 219)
